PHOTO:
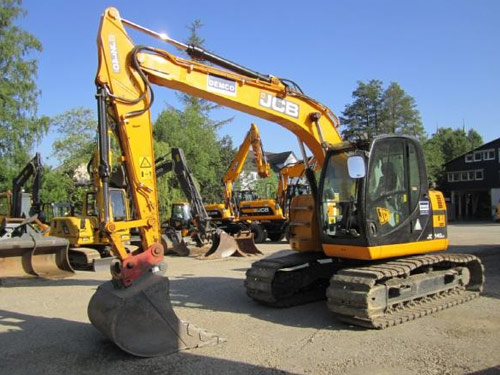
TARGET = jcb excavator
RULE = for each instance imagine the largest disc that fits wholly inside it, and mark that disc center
(226, 214)
(24, 249)
(88, 243)
(212, 243)
(366, 233)
(269, 216)
(243, 210)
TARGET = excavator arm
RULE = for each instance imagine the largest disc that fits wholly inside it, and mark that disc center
(179, 165)
(124, 95)
(252, 140)
(33, 168)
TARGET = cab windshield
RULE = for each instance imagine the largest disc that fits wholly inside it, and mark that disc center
(181, 211)
(118, 205)
(338, 197)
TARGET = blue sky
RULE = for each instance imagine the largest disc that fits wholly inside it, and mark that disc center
(444, 53)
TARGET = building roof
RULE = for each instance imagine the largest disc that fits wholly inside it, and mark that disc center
(483, 146)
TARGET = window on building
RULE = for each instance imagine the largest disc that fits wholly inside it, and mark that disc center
(465, 176)
(450, 177)
(478, 156)
(469, 158)
(470, 175)
(489, 155)
(456, 176)
(479, 175)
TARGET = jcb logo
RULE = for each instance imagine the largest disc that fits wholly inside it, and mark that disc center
(261, 210)
(279, 105)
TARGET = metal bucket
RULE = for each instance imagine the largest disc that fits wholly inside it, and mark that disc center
(223, 246)
(35, 255)
(140, 319)
(246, 243)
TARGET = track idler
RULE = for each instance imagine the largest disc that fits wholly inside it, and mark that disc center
(140, 319)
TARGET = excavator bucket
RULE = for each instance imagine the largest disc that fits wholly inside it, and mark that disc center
(49, 258)
(140, 319)
(223, 246)
(246, 243)
(173, 245)
(35, 255)
(15, 258)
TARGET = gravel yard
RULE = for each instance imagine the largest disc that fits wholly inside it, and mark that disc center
(44, 326)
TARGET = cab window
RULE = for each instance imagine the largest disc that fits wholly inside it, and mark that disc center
(387, 187)
(118, 205)
(338, 198)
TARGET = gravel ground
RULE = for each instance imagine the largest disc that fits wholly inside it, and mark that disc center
(44, 327)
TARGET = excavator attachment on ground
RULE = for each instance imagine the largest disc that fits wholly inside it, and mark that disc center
(25, 252)
(140, 319)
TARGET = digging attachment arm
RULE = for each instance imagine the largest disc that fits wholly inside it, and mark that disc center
(124, 78)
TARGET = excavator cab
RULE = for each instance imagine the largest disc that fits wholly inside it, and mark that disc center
(181, 215)
(373, 196)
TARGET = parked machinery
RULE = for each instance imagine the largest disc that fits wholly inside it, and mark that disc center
(24, 249)
(365, 234)
(212, 243)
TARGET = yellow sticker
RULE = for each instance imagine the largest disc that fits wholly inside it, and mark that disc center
(383, 215)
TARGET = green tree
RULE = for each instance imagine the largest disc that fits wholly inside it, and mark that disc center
(400, 114)
(20, 127)
(78, 130)
(377, 111)
(192, 129)
(446, 144)
(363, 116)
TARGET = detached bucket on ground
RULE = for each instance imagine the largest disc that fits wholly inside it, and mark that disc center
(33, 255)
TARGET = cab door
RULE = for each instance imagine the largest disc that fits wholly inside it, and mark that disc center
(397, 204)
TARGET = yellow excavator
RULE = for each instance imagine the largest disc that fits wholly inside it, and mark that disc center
(88, 243)
(268, 217)
(366, 236)
(226, 214)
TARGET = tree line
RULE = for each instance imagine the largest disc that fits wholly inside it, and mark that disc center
(374, 110)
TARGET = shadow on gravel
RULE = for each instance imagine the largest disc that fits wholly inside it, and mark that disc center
(227, 294)
(38, 345)
(14, 282)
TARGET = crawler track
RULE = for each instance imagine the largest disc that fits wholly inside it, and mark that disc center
(290, 280)
(380, 295)
(391, 293)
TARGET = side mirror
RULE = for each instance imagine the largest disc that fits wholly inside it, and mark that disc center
(356, 166)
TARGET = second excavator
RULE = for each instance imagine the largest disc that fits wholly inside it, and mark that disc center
(365, 237)
(212, 243)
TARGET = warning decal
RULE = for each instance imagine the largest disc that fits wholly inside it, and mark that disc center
(146, 167)
(145, 162)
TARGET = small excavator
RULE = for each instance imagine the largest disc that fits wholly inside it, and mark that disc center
(212, 243)
(88, 243)
(226, 214)
(24, 249)
(370, 236)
